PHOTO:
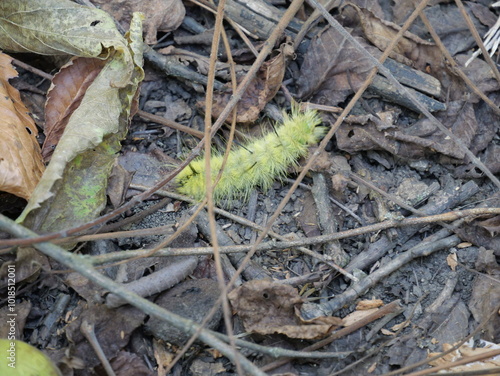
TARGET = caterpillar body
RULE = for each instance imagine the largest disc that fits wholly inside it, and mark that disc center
(257, 163)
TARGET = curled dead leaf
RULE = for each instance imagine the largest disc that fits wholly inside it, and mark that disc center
(21, 163)
(65, 95)
(268, 307)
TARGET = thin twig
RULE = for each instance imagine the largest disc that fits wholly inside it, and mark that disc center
(257, 227)
(218, 28)
(88, 332)
(170, 123)
(34, 70)
(266, 49)
(274, 245)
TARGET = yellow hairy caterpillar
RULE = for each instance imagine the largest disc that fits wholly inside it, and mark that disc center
(257, 163)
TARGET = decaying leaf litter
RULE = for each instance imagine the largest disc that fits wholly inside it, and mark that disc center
(386, 159)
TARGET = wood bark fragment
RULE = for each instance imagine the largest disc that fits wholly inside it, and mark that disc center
(327, 220)
(158, 281)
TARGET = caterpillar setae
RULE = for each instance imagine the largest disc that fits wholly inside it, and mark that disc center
(257, 163)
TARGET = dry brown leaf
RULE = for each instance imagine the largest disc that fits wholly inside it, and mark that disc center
(301, 331)
(320, 320)
(268, 307)
(451, 260)
(21, 163)
(130, 364)
(161, 15)
(478, 72)
(263, 303)
(410, 50)
(369, 304)
(65, 95)
(416, 141)
(327, 62)
(262, 89)
(490, 158)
